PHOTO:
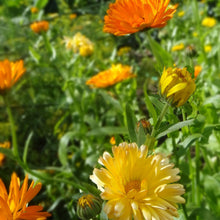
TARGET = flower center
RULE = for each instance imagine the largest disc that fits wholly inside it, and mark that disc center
(134, 184)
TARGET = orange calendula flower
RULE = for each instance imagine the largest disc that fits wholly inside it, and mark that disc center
(14, 205)
(176, 85)
(112, 140)
(115, 74)
(73, 16)
(6, 145)
(39, 26)
(197, 70)
(137, 186)
(130, 16)
(34, 10)
(10, 72)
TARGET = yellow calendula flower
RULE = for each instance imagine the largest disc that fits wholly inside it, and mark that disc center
(123, 50)
(195, 34)
(14, 205)
(127, 17)
(115, 74)
(79, 44)
(10, 73)
(6, 145)
(39, 26)
(207, 48)
(136, 186)
(177, 47)
(181, 13)
(209, 22)
(176, 85)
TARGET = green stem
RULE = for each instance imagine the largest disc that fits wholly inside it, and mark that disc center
(175, 151)
(197, 187)
(151, 140)
(13, 130)
(159, 119)
(184, 211)
(47, 43)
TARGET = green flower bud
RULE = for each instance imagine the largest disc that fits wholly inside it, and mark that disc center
(88, 206)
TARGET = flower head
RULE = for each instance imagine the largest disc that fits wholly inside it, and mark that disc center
(209, 22)
(6, 145)
(34, 10)
(79, 44)
(181, 13)
(39, 26)
(136, 186)
(88, 206)
(177, 85)
(207, 48)
(115, 74)
(112, 140)
(130, 16)
(197, 70)
(73, 16)
(123, 50)
(14, 205)
(178, 47)
(10, 72)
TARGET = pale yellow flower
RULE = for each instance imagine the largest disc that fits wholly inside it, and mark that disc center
(176, 85)
(137, 186)
(115, 74)
(79, 44)
(177, 47)
(14, 205)
(209, 22)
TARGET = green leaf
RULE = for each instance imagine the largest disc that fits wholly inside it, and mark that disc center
(141, 136)
(149, 105)
(203, 214)
(62, 150)
(163, 58)
(115, 103)
(131, 123)
(27, 143)
(35, 55)
(41, 3)
(175, 127)
(190, 140)
(111, 130)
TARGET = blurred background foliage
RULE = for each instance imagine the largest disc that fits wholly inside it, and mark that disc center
(70, 124)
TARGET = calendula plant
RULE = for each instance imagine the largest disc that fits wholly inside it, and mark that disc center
(111, 108)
